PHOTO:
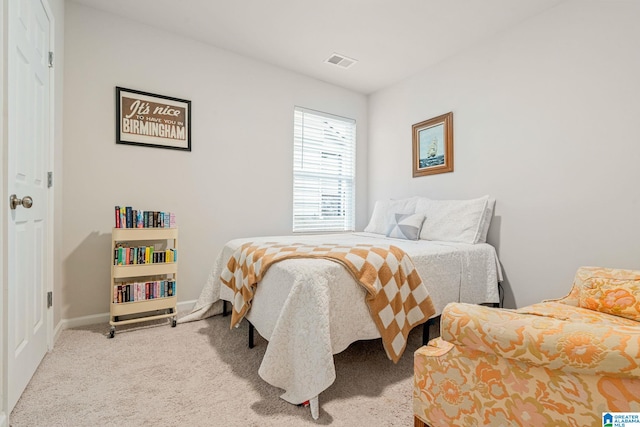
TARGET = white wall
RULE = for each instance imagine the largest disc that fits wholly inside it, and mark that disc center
(237, 181)
(545, 120)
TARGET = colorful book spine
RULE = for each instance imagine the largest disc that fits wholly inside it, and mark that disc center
(123, 255)
(118, 217)
(127, 217)
(143, 291)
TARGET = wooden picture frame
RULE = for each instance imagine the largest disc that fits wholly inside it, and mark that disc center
(433, 146)
(152, 120)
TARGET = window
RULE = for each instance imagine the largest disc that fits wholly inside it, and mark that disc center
(324, 152)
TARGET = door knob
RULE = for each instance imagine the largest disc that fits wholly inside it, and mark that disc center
(26, 202)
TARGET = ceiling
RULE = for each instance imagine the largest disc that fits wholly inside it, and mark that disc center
(391, 39)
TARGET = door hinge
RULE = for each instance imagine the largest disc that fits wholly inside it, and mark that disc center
(49, 179)
(50, 59)
(49, 299)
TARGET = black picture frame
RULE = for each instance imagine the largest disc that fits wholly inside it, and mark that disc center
(152, 120)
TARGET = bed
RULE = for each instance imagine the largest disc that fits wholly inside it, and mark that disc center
(310, 309)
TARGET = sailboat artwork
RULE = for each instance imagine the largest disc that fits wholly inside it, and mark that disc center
(433, 155)
(433, 146)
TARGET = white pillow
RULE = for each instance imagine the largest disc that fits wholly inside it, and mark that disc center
(384, 211)
(453, 220)
(486, 220)
(406, 226)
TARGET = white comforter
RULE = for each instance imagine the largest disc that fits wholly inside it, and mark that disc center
(311, 309)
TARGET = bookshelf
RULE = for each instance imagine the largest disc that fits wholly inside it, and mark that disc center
(144, 275)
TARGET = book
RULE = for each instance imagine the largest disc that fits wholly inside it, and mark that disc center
(137, 291)
(129, 216)
(117, 216)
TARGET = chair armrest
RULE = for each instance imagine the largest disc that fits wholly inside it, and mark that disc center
(546, 340)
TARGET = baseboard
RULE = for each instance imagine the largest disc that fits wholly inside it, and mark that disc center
(76, 322)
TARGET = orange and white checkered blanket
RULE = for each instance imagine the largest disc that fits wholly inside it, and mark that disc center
(396, 296)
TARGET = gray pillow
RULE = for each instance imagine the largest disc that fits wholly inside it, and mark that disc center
(405, 226)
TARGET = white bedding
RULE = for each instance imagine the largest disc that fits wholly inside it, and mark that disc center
(311, 309)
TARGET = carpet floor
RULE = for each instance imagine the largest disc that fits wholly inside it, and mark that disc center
(202, 374)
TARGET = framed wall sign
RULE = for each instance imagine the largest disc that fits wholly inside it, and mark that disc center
(152, 120)
(433, 146)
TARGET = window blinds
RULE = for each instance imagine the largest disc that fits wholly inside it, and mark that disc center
(324, 148)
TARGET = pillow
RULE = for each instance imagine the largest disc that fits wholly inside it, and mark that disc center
(406, 226)
(612, 291)
(453, 220)
(486, 220)
(384, 211)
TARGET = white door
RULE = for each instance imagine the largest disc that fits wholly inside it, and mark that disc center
(28, 161)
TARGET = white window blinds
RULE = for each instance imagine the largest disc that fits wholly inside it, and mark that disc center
(324, 151)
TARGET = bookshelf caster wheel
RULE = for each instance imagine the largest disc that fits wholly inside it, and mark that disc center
(112, 332)
(174, 322)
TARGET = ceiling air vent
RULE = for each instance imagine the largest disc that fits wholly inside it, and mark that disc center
(340, 60)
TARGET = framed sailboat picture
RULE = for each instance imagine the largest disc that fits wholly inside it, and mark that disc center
(433, 146)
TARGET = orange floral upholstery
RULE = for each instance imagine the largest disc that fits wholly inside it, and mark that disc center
(609, 291)
(556, 363)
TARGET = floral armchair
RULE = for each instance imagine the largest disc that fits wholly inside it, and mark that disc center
(561, 362)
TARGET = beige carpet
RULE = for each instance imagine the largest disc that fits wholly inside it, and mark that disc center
(202, 374)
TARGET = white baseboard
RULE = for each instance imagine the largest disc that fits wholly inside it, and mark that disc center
(93, 319)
